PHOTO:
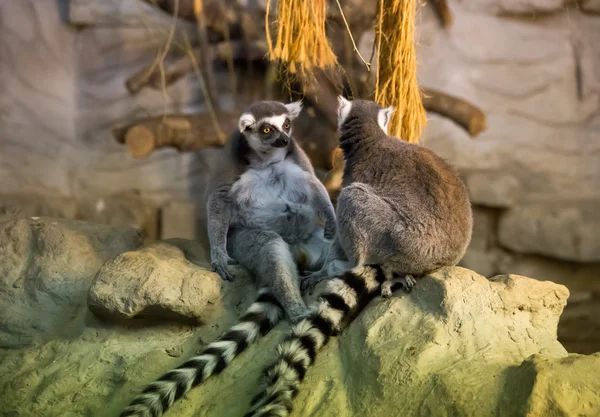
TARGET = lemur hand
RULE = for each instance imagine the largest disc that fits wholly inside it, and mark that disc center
(330, 227)
(219, 261)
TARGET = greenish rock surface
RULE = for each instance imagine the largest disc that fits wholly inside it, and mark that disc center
(458, 345)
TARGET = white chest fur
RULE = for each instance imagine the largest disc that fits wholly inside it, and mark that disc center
(263, 188)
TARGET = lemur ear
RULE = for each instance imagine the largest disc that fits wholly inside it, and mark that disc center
(384, 116)
(294, 108)
(344, 107)
(246, 120)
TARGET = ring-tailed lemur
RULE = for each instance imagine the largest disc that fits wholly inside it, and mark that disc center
(402, 211)
(262, 209)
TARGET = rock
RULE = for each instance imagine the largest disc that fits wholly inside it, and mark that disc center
(579, 327)
(484, 262)
(126, 209)
(554, 387)
(563, 231)
(178, 220)
(456, 338)
(483, 253)
(590, 6)
(448, 342)
(155, 281)
(581, 279)
(32, 205)
(505, 192)
(541, 143)
(45, 264)
(513, 7)
(81, 374)
(448, 345)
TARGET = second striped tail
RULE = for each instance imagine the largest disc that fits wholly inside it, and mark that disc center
(342, 299)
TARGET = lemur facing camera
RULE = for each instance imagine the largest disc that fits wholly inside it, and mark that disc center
(402, 211)
(263, 207)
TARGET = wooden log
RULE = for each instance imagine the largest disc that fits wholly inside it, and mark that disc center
(443, 12)
(460, 111)
(182, 132)
(151, 77)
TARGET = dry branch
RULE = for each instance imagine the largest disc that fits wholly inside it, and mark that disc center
(460, 111)
(182, 132)
(442, 11)
(150, 77)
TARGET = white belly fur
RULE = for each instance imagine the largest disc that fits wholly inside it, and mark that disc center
(266, 188)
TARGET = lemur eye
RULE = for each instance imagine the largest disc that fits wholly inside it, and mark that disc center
(286, 126)
(266, 129)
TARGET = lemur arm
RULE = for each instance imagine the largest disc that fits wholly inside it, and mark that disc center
(218, 213)
(321, 201)
(324, 207)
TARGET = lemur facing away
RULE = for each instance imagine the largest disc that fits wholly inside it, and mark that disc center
(262, 209)
(402, 211)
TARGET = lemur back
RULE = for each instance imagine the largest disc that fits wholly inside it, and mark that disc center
(402, 210)
(261, 206)
(413, 203)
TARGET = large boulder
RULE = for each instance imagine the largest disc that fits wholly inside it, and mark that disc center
(458, 344)
(59, 359)
(45, 266)
(155, 281)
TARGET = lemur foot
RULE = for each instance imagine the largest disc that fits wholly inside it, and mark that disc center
(308, 282)
(386, 289)
(407, 281)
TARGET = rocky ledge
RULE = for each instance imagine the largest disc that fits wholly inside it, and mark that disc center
(79, 336)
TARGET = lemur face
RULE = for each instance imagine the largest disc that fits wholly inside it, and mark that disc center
(267, 125)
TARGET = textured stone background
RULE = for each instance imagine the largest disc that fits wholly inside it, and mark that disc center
(533, 66)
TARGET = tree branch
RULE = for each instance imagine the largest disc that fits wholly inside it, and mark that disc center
(460, 111)
(442, 11)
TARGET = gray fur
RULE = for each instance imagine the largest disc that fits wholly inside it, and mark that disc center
(264, 205)
(401, 206)
(262, 209)
(402, 211)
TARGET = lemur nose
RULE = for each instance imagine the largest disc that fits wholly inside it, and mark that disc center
(281, 141)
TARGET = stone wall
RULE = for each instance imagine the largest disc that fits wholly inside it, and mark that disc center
(533, 176)
(533, 67)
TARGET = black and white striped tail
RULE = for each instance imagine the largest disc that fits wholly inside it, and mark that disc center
(259, 319)
(342, 298)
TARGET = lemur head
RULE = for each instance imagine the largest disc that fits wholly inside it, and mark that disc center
(363, 110)
(267, 125)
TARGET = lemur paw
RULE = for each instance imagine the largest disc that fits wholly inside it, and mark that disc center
(386, 289)
(219, 264)
(223, 271)
(309, 282)
(408, 282)
(329, 232)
